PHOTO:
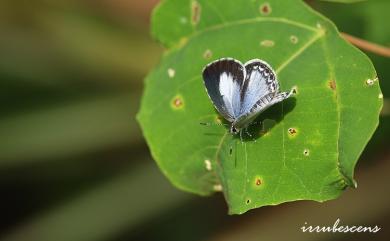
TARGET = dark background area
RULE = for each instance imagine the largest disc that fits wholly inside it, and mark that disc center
(74, 165)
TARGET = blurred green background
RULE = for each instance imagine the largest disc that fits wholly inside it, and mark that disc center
(74, 165)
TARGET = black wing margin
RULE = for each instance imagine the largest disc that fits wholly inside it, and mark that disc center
(212, 77)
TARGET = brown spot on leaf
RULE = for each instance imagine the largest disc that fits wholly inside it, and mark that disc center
(195, 12)
(265, 9)
(294, 39)
(292, 131)
(258, 182)
(332, 84)
(177, 102)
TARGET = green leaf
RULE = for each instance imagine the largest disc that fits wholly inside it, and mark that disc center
(344, 1)
(305, 148)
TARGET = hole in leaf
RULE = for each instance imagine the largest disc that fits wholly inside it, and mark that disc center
(306, 152)
(207, 164)
(248, 201)
(371, 82)
(171, 72)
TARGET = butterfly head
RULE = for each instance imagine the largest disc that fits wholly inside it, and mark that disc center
(234, 130)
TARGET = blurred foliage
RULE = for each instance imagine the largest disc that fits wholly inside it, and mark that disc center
(72, 160)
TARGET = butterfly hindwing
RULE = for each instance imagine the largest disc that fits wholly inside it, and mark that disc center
(224, 79)
(260, 81)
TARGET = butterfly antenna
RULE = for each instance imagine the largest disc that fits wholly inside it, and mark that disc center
(212, 124)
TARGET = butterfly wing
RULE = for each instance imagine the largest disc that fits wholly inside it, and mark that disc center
(259, 91)
(223, 79)
(260, 81)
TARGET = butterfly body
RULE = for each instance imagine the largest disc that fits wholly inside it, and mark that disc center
(240, 92)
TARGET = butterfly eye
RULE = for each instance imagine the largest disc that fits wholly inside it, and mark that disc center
(234, 130)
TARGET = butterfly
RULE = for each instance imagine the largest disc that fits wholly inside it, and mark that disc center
(240, 92)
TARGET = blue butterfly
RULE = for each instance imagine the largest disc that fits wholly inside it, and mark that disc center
(240, 92)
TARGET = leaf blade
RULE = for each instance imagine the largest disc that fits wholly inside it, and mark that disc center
(312, 162)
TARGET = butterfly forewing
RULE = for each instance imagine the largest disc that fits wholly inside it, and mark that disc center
(223, 80)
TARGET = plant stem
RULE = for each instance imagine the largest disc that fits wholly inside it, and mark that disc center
(368, 46)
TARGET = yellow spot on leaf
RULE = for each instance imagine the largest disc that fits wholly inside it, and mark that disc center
(267, 43)
(177, 102)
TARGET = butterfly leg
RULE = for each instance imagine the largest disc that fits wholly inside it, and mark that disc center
(242, 142)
